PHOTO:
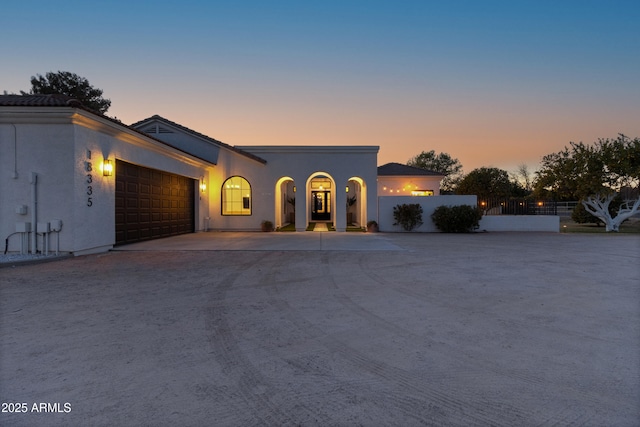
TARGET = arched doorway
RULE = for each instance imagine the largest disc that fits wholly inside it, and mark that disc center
(285, 202)
(356, 202)
(321, 198)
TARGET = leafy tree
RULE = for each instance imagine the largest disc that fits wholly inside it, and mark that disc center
(596, 174)
(486, 183)
(72, 85)
(442, 163)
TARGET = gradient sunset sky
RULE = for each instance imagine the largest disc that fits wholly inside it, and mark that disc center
(492, 83)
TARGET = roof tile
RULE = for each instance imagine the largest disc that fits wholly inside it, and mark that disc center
(397, 169)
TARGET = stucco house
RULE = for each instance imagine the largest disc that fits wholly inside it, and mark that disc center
(81, 182)
(395, 179)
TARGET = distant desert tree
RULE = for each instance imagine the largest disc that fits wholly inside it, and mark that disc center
(523, 177)
(486, 183)
(597, 175)
(442, 163)
(72, 85)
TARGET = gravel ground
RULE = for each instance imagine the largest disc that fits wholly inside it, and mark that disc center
(15, 258)
(490, 329)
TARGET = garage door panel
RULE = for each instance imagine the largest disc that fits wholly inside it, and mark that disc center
(145, 202)
(151, 203)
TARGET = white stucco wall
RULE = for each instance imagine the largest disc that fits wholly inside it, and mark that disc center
(231, 164)
(540, 223)
(55, 143)
(340, 163)
(544, 223)
(47, 151)
(429, 205)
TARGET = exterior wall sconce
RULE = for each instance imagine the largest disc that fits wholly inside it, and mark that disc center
(107, 167)
(294, 188)
(203, 186)
(347, 189)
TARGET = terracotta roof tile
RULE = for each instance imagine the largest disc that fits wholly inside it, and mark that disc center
(54, 100)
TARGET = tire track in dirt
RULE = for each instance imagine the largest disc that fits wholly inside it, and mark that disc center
(296, 402)
(457, 409)
(344, 390)
(527, 377)
(394, 378)
(251, 385)
(262, 395)
(397, 331)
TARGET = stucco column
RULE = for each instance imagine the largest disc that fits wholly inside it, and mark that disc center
(341, 208)
(301, 210)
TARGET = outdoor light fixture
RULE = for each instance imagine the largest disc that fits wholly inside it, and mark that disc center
(203, 185)
(347, 189)
(107, 167)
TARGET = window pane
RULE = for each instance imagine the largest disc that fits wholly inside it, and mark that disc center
(236, 196)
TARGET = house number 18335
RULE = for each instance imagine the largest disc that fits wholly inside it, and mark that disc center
(89, 169)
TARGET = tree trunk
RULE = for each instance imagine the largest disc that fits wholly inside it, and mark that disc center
(598, 206)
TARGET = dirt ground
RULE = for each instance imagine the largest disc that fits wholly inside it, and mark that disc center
(493, 329)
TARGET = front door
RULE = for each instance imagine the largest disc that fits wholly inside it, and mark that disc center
(321, 209)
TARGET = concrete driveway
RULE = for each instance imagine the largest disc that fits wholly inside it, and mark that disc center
(495, 329)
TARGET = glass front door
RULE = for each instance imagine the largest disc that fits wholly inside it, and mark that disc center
(321, 205)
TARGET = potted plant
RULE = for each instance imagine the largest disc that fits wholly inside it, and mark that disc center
(266, 225)
(372, 226)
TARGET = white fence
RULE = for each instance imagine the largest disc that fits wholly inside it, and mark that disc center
(549, 223)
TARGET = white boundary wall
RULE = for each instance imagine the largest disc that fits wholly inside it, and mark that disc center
(540, 223)
(429, 205)
(520, 223)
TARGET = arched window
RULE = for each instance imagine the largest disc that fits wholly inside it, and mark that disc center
(236, 196)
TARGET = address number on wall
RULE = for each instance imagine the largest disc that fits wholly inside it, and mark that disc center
(89, 168)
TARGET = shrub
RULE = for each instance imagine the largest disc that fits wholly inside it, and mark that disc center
(408, 216)
(266, 225)
(457, 219)
(579, 215)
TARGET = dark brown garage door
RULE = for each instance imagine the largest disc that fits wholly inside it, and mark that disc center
(151, 203)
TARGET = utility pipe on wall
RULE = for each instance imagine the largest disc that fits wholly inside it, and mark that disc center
(34, 212)
(15, 152)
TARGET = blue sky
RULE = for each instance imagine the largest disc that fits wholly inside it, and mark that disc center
(493, 83)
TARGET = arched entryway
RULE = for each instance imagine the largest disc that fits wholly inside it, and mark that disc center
(285, 202)
(321, 198)
(356, 202)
